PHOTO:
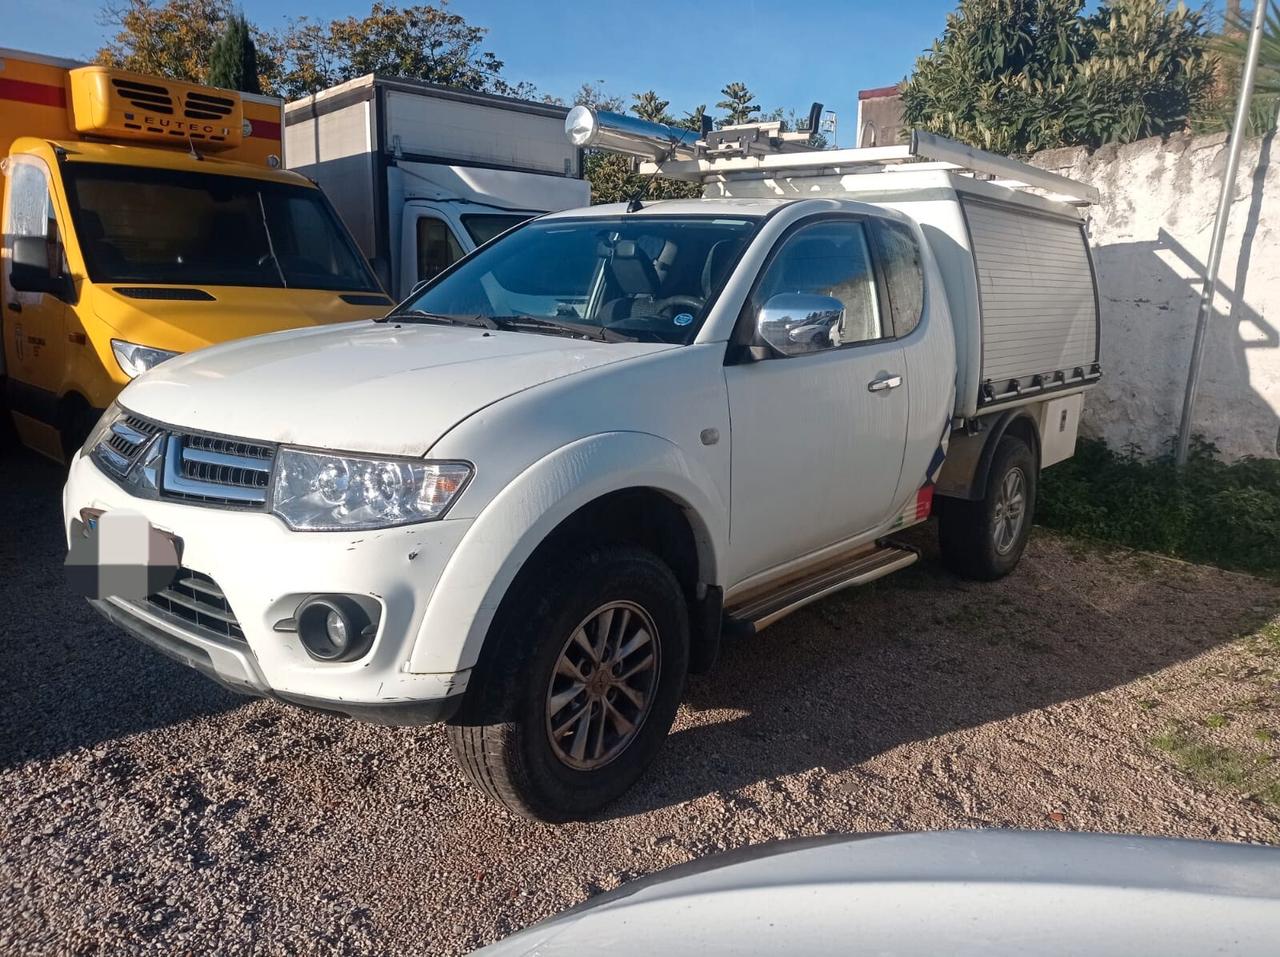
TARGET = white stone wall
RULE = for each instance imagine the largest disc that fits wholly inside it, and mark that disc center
(1150, 238)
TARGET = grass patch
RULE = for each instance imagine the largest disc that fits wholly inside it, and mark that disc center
(1211, 511)
(1222, 766)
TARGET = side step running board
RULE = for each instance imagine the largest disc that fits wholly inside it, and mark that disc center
(757, 612)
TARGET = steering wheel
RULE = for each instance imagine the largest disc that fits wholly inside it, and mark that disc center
(691, 303)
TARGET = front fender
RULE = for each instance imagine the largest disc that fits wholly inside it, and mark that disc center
(529, 508)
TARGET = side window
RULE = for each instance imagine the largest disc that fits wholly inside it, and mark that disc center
(904, 276)
(438, 249)
(828, 259)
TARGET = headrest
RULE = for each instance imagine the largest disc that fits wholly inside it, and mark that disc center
(719, 258)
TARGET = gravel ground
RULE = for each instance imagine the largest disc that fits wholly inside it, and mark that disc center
(143, 809)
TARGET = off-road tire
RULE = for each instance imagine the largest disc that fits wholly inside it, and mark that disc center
(500, 737)
(966, 529)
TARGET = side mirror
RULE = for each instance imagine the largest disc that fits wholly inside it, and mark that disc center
(31, 270)
(794, 324)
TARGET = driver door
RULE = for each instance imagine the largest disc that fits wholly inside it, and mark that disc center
(818, 436)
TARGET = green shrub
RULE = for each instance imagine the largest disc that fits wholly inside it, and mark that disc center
(1225, 514)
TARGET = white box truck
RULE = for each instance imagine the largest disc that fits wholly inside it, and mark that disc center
(423, 174)
(534, 497)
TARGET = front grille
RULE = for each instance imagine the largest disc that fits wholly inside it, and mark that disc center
(205, 469)
(124, 443)
(196, 601)
(216, 470)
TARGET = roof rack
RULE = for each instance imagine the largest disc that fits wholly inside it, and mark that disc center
(762, 149)
(925, 151)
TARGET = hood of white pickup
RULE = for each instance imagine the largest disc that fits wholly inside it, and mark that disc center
(362, 387)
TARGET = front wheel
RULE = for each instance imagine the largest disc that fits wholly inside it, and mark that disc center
(582, 675)
(984, 540)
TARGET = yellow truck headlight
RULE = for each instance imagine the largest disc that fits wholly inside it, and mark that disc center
(135, 359)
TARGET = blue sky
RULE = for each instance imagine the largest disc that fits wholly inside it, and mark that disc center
(789, 54)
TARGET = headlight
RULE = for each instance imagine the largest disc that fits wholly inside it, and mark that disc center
(314, 491)
(109, 418)
(135, 359)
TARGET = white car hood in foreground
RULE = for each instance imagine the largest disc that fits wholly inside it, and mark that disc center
(367, 387)
(989, 893)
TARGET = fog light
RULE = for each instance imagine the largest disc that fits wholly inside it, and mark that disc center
(334, 628)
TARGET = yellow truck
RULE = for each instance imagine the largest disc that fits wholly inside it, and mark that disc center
(143, 218)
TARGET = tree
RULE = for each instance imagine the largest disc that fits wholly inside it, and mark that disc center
(173, 38)
(594, 96)
(233, 63)
(421, 42)
(1231, 47)
(649, 106)
(737, 104)
(693, 119)
(1016, 76)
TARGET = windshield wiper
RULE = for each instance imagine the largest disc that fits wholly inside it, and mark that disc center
(419, 315)
(586, 330)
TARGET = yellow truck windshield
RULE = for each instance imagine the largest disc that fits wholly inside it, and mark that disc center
(145, 225)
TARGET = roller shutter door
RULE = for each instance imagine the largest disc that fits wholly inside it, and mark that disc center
(1035, 286)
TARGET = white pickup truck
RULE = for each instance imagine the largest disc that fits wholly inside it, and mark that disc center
(537, 494)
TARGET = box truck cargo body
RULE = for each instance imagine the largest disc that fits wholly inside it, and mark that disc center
(423, 174)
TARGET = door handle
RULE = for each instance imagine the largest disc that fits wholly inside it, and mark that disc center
(884, 383)
(15, 307)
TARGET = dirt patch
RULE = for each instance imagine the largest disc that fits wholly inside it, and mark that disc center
(141, 807)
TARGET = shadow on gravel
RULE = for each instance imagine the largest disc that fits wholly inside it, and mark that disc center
(923, 653)
(68, 679)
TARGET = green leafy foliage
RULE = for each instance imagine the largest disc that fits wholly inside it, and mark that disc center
(233, 63)
(737, 105)
(649, 106)
(1016, 76)
(174, 38)
(1211, 511)
(421, 42)
(1231, 48)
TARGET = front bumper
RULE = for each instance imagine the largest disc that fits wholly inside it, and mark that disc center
(265, 571)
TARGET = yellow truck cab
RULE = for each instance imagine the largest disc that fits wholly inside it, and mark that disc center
(144, 218)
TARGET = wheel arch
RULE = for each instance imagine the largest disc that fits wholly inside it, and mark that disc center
(968, 463)
(618, 488)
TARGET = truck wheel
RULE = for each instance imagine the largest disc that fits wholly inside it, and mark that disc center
(984, 540)
(78, 421)
(578, 685)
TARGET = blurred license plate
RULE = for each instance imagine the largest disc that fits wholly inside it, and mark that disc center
(119, 554)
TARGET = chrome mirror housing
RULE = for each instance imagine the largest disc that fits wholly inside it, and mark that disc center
(795, 323)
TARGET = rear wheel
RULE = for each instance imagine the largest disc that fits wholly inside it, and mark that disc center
(984, 540)
(582, 674)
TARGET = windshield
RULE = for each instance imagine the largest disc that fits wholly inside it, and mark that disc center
(139, 224)
(484, 226)
(644, 277)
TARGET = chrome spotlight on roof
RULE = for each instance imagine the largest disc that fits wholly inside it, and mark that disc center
(600, 129)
